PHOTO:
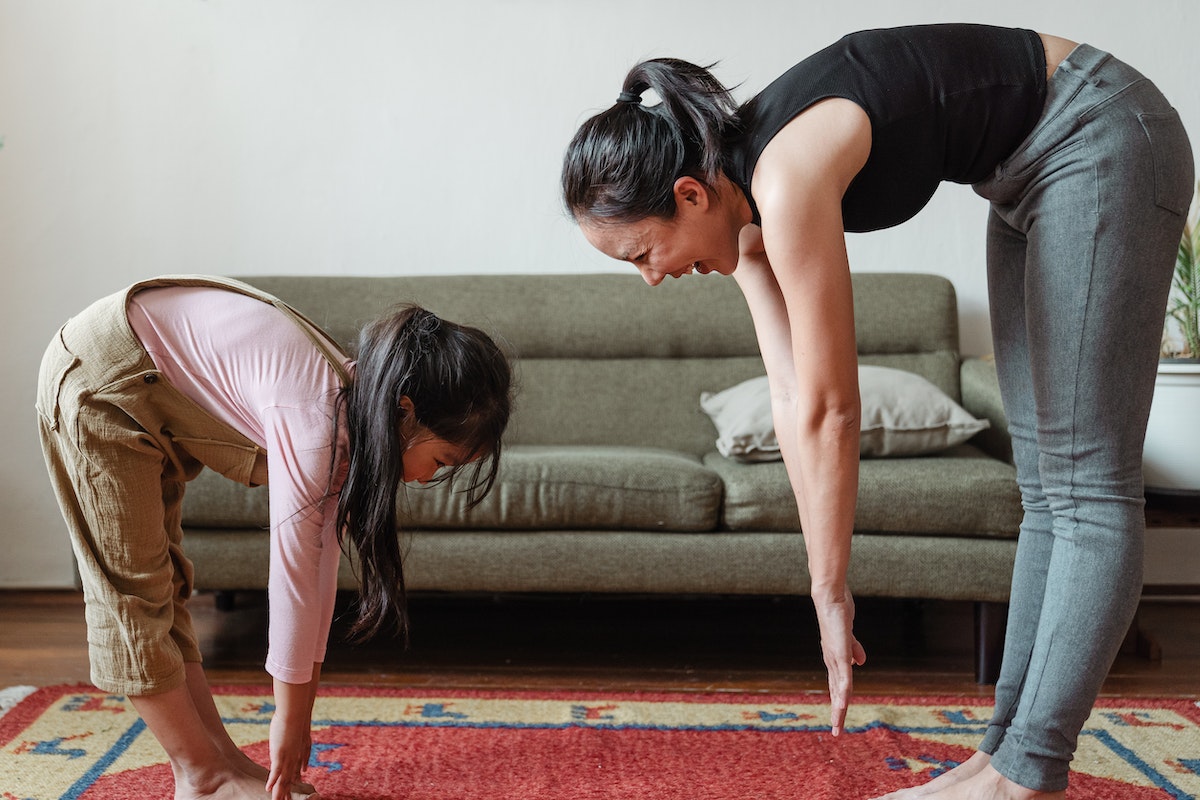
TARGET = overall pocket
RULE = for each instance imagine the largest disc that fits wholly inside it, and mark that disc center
(57, 364)
(234, 461)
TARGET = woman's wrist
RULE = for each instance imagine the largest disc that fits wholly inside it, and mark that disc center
(828, 593)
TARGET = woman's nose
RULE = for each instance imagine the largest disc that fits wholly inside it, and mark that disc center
(651, 277)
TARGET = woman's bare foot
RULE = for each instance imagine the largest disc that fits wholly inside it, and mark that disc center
(965, 770)
(988, 784)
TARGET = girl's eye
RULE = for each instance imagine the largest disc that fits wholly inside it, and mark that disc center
(440, 464)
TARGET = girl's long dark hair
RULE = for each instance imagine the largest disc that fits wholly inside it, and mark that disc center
(459, 382)
(622, 164)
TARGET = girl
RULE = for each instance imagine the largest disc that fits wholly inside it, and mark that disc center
(1089, 173)
(148, 385)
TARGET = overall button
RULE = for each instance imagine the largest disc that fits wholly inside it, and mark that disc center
(150, 378)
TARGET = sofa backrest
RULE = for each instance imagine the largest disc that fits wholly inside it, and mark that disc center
(604, 359)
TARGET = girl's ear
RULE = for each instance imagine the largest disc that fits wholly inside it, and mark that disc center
(408, 422)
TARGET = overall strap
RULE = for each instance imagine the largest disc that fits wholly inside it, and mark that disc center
(325, 346)
(322, 344)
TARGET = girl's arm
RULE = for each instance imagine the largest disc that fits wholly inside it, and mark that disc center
(302, 580)
(291, 733)
(798, 287)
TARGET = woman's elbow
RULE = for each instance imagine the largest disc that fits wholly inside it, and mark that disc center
(835, 421)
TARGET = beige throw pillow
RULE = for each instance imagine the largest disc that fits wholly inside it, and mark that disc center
(903, 414)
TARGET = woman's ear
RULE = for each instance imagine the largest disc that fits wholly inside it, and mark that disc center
(406, 404)
(691, 192)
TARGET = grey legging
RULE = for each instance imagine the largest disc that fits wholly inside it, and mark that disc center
(1085, 221)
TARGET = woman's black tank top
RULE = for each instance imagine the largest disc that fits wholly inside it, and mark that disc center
(946, 103)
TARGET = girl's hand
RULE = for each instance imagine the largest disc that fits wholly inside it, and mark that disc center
(842, 652)
(291, 734)
(290, 748)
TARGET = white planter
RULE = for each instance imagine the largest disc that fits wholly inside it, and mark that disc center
(1171, 457)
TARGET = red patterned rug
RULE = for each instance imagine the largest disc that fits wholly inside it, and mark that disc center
(374, 744)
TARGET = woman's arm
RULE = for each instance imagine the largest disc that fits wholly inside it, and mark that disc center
(798, 287)
(829, 550)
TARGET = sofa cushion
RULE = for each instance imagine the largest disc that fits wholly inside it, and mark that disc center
(572, 315)
(538, 487)
(961, 492)
(620, 402)
(588, 375)
(214, 501)
(582, 488)
(903, 414)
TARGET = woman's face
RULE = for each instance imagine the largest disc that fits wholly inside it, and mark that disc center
(700, 238)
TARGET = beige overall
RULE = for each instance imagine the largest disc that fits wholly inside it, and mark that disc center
(120, 444)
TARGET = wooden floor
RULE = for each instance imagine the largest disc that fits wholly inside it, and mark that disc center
(605, 643)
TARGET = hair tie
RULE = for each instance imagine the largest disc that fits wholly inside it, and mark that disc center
(629, 97)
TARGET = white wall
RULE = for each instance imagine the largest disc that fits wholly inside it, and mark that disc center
(384, 136)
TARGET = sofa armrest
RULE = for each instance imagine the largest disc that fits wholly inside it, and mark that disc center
(981, 397)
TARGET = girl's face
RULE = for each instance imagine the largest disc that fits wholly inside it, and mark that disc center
(426, 455)
(702, 237)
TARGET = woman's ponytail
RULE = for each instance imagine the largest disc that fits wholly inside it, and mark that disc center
(622, 164)
(701, 108)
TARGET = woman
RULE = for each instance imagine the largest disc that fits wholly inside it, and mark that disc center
(144, 387)
(1088, 171)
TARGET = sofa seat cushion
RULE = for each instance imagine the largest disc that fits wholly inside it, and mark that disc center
(548, 487)
(538, 488)
(214, 501)
(959, 492)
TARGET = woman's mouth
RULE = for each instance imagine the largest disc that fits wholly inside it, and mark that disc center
(695, 267)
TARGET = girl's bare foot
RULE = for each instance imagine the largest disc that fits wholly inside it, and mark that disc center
(204, 766)
(965, 770)
(205, 707)
(244, 763)
(233, 785)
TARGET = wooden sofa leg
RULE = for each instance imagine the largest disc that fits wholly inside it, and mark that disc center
(990, 621)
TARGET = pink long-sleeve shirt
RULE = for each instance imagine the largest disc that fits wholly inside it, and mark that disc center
(252, 367)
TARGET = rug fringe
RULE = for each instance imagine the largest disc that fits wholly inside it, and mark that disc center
(13, 695)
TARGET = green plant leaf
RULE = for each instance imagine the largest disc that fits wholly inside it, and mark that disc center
(1184, 304)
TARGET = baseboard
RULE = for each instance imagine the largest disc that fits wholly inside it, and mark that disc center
(1172, 558)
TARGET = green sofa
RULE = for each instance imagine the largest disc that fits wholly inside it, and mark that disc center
(610, 481)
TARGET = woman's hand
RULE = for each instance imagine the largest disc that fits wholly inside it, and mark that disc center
(842, 652)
